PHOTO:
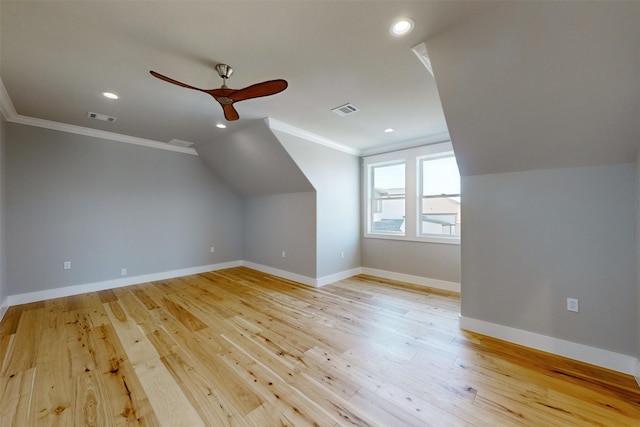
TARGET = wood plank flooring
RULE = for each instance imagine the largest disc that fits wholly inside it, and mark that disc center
(241, 348)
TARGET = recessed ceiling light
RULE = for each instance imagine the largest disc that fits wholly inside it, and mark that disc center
(388, 130)
(110, 95)
(402, 26)
(221, 126)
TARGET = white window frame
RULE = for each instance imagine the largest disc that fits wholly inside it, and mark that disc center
(413, 192)
(370, 198)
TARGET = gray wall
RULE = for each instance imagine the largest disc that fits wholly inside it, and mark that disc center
(424, 259)
(3, 282)
(281, 222)
(432, 260)
(532, 239)
(104, 206)
(336, 177)
(638, 265)
(279, 205)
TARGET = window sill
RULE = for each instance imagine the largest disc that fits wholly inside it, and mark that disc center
(422, 239)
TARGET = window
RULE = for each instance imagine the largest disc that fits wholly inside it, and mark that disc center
(388, 198)
(413, 194)
(440, 204)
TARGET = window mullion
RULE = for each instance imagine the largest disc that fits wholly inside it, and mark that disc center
(411, 205)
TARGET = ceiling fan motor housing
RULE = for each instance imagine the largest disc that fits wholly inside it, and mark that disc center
(224, 70)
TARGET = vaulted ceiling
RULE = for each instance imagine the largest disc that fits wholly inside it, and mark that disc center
(520, 85)
(58, 56)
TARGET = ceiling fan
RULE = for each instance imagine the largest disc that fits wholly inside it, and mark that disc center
(227, 97)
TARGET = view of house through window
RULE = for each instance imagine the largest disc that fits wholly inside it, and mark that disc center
(440, 207)
(413, 194)
(388, 205)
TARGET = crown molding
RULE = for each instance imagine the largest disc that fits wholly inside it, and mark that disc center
(112, 136)
(6, 106)
(309, 136)
(10, 114)
(413, 143)
(423, 55)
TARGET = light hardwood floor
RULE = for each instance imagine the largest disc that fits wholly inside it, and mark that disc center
(241, 348)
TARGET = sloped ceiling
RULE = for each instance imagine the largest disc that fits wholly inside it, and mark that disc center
(254, 163)
(539, 85)
(58, 56)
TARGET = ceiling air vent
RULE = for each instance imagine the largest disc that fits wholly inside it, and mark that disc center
(345, 110)
(102, 117)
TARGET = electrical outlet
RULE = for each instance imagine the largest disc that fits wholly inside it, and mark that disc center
(123, 271)
(284, 254)
(212, 249)
(572, 304)
(66, 265)
(342, 254)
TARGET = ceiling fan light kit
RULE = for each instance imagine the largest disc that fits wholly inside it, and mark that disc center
(227, 97)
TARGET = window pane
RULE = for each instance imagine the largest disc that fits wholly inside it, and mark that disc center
(440, 176)
(440, 205)
(387, 199)
(440, 215)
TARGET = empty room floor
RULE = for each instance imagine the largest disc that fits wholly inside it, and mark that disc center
(241, 348)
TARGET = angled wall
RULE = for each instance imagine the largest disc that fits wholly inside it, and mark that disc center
(541, 85)
(541, 100)
(300, 198)
(254, 163)
(279, 202)
(335, 176)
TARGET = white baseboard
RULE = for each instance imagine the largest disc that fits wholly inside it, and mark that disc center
(305, 280)
(336, 277)
(583, 353)
(42, 295)
(29, 297)
(636, 375)
(416, 280)
(4, 306)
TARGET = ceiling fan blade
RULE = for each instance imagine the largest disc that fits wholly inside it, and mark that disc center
(175, 82)
(226, 97)
(230, 112)
(257, 90)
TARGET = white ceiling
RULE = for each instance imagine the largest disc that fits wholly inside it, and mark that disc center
(58, 56)
(524, 84)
